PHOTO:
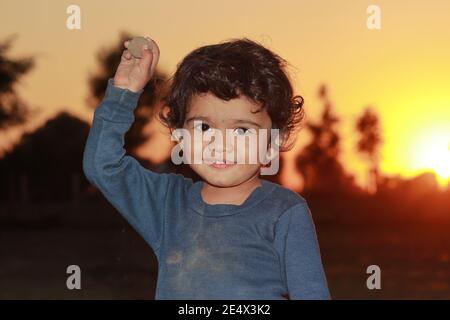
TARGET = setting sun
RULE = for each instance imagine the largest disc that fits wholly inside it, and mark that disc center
(432, 151)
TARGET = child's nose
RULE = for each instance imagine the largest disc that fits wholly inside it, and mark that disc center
(222, 143)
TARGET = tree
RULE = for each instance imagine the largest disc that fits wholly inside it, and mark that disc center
(368, 145)
(13, 110)
(48, 158)
(318, 162)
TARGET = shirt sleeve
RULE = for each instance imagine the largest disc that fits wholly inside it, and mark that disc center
(137, 193)
(297, 245)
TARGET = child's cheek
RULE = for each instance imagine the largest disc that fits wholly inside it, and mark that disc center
(188, 151)
(260, 150)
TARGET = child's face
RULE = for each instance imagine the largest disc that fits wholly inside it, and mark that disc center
(214, 115)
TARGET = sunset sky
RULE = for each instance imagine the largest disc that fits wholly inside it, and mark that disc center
(402, 70)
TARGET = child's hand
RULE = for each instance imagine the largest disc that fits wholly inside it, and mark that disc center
(134, 73)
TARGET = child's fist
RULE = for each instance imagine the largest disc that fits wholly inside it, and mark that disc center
(134, 73)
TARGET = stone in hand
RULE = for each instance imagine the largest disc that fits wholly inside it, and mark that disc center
(136, 44)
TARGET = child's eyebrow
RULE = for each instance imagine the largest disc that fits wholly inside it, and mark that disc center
(233, 120)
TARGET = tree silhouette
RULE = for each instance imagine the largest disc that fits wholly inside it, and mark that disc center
(49, 158)
(13, 110)
(318, 162)
(368, 144)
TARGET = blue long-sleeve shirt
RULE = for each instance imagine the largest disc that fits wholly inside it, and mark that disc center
(265, 248)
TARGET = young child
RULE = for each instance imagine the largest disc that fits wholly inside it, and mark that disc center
(231, 235)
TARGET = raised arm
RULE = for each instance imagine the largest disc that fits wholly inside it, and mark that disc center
(137, 193)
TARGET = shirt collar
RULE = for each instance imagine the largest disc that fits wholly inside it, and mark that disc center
(197, 203)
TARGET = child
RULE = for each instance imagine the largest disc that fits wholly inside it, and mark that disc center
(231, 235)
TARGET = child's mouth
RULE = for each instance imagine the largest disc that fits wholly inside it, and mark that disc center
(220, 164)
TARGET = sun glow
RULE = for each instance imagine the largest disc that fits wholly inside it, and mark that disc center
(432, 151)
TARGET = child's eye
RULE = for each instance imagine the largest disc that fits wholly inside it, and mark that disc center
(202, 126)
(241, 131)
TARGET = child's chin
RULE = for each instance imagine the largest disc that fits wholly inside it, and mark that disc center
(222, 180)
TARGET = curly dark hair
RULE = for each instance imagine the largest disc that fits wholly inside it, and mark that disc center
(229, 69)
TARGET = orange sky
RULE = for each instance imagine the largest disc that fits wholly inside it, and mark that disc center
(401, 70)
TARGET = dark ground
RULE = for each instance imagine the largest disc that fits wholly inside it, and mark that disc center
(410, 243)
